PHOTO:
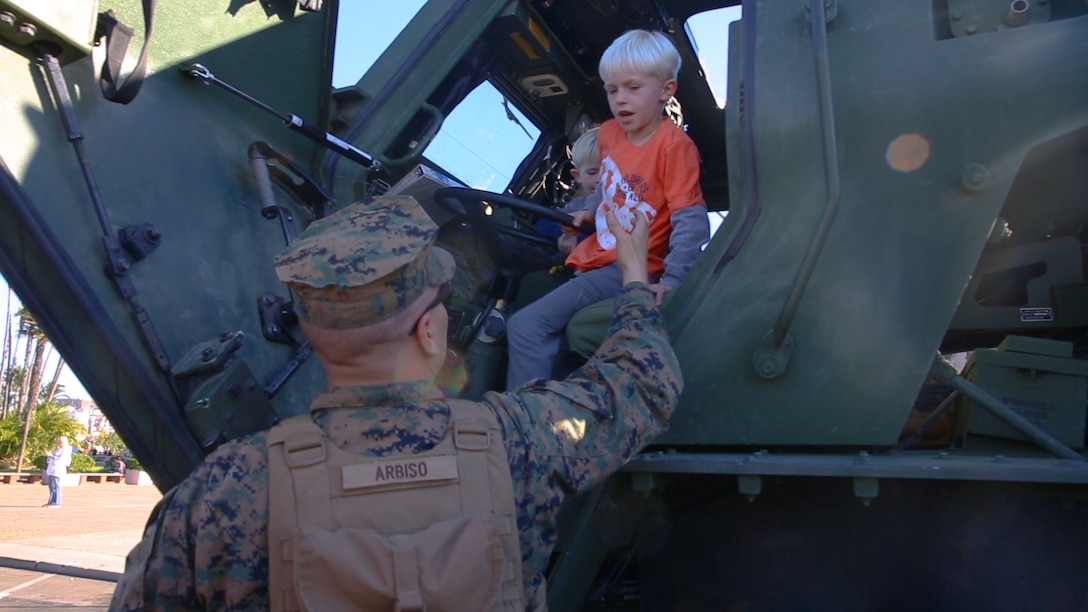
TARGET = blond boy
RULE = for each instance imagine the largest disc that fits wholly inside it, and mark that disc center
(648, 165)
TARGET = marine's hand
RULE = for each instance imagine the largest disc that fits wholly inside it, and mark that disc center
(630, 246)
(659, 291)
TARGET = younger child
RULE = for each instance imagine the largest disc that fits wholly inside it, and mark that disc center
(586, 158)
(648, 166)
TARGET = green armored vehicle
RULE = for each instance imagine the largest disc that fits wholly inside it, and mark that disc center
(883, 342)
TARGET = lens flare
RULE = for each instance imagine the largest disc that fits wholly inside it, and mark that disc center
(453, 378)
(908, 152)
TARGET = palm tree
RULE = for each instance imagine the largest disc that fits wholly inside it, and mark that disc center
(29, 328)
(5, 358)
(53, 387)
(13, 379)
(37, 342)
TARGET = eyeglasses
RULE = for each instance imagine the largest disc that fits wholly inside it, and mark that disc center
(445, 295)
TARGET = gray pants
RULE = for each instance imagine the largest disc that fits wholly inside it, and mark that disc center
(536, 334)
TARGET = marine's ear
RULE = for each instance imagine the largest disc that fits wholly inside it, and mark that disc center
(427, 336)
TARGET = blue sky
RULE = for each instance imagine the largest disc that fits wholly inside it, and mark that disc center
(370, 34)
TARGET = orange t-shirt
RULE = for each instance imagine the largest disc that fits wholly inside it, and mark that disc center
(658, 178)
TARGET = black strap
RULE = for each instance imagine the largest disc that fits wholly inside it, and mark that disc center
(118, 35)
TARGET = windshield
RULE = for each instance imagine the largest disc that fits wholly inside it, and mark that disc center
(480, 143)
(363, 33)
(709, 34)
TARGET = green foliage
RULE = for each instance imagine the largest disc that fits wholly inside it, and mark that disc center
(47, 387)
(133, 464)
(113, 441)
(82, 463)
(11, 432)
(49, 422)
(13, 379)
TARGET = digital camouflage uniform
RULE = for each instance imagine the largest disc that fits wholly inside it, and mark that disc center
(208, 546)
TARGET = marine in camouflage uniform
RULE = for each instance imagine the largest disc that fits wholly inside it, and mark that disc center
(208, 545)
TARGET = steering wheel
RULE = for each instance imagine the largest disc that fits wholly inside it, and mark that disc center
(512, 251)
(457, 200)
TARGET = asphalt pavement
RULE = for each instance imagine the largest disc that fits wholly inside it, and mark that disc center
(68, 556)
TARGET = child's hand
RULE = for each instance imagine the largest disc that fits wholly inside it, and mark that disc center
(579, 217)
(566, 242)
(630, 246)
(659, 291)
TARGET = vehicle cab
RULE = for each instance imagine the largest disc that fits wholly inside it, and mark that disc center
(896, 185)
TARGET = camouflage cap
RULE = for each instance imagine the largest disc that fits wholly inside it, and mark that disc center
(364, 263)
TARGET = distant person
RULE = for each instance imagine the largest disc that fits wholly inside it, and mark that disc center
(647, 165)
(119, 465)
(384, 476)
(57, 466)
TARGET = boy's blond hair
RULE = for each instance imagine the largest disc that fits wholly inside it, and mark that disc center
(585, 152)
(643, 52)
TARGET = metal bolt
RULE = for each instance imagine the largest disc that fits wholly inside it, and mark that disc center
(268, 300)
(956, 15)
(28, 29)
(272, 330)
(251, 385)
(152, 234)
(769, 364)
(974, 177)
(224, 336)
(7, 19)
(233, 391)
(124, 265)
(971, 29)
(207, 354)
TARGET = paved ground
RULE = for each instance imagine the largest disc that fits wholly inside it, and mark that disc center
(47, 555)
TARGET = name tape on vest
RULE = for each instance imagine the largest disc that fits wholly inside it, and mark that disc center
(399, 471)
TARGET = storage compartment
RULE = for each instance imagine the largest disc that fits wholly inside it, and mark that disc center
(1039, 380)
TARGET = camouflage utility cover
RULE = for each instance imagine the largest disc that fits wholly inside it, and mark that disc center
(364, 264)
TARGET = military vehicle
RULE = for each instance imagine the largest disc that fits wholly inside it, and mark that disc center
(883, 343)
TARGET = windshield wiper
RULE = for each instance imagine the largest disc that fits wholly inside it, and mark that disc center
(512, 117)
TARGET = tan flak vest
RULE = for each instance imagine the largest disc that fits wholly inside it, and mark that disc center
(429, 531)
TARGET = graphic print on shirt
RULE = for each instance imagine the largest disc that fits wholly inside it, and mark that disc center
(624, 193)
